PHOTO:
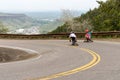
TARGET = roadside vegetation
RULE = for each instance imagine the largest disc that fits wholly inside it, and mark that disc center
(104, 18)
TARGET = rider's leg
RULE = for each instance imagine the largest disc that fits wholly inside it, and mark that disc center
(73, 40)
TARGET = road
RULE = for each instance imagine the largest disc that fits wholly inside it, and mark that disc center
(58, 60)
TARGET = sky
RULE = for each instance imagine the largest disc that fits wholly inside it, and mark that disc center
(46, 5)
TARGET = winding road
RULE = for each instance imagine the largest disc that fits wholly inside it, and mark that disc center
(58, 60)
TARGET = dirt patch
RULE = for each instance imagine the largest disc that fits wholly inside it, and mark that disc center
(8, 55)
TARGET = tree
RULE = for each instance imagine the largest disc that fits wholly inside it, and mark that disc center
(104, 18)
(66, 15)
(3, 29)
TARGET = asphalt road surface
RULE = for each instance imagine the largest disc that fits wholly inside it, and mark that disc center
(58, 60)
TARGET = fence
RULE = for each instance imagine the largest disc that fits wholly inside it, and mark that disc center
(112, 34)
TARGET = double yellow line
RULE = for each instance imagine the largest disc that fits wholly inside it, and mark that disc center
(93, 62)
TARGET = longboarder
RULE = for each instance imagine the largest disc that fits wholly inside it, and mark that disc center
(73, 38)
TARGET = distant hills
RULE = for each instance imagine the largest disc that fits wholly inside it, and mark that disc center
(15, 21)
(50, 20)
(44, 21)
(51, 14)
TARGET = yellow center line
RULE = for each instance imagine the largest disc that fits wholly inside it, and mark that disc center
(93, 62)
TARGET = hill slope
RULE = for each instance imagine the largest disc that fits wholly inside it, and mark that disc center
(104, 18)
(14, 21)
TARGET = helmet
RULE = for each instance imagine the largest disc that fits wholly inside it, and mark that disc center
(86, 30)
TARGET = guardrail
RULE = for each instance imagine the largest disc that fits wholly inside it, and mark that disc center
(115, 34)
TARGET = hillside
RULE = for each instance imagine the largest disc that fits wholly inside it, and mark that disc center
(15, 21)
(104, 18)
(25, 23)
(41, 22)
(50, 19)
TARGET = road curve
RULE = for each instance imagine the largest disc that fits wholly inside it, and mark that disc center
(58, 58)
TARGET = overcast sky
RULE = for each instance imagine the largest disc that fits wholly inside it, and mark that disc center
(46, 5)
